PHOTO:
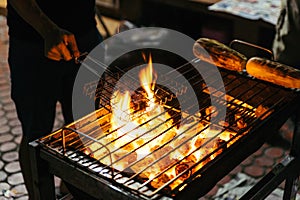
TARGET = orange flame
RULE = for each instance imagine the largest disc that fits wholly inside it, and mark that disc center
(143, 142)
(148, 79)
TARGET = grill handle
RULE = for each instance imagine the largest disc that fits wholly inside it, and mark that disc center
(252, 45)
(80, 58)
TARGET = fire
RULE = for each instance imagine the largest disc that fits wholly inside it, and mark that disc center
(147, 79)
(147, 142)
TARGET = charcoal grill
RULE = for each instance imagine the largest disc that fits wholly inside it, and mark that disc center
(254, 111)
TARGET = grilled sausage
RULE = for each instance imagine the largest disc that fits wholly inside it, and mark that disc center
(219, 54)
(273, 72)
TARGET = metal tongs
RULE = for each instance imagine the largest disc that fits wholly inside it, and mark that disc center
(80, 58)
(248, 44)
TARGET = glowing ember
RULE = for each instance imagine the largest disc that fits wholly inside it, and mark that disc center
(147, 142)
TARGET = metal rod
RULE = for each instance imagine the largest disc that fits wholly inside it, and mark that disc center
(292, 181)
(270, 181)
(252, 45)
(63, 141)
(92, 139)
(142, 134)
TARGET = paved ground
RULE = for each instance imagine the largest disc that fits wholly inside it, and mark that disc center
(11, 181)
(10, 131)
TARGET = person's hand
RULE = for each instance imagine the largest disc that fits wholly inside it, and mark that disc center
(61, 44)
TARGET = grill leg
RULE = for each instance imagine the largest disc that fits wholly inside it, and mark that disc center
(43, 180)
(291, 188)
(292, 182)
(288, 169)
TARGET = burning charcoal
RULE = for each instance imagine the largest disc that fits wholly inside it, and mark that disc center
(129, 147)
(161, 152)
(141, 164)
(191, 158)
(99, 152)
(181, 168)
(241, 124)
(164, 163)
(262, 111)
(199, 141)
(220, 144)
(224, 124)
(132, 157)
(158, 155)
(127, 159)
(240, 121)
(88, 151)
(200, 128)
(154, 148)
(160, 181)
(129, 172)
(211, 111)
(208, 159)
(168, 136)
(184, 144)
(138, 100)
(139, 142)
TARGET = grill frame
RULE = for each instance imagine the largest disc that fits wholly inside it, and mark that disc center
(60, 166)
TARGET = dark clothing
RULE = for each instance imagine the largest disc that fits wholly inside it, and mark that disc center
(287, 39)
(76, 16)
(38, 83)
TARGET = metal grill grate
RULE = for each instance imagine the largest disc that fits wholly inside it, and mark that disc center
(248, 103)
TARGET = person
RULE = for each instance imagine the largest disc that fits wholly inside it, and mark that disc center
(286, 43)
(44, 38)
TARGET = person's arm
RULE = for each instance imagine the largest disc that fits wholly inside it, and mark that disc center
(59, 43)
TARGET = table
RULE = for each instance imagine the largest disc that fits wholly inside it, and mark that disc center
(193, 17)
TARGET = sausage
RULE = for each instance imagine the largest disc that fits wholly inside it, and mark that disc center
(216, 53)
(274, 72)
